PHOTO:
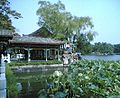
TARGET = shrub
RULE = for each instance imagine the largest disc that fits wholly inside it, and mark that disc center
(12, 91)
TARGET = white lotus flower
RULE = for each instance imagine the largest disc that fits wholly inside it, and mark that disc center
(80, 74)
(57, 73)
(86, 77)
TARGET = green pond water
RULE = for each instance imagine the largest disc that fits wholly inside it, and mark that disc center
(31, 83)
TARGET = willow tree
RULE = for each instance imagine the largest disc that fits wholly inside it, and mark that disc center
(62, 23)
(5, 14)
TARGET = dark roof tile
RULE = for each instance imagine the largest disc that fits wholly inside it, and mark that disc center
(39, 40)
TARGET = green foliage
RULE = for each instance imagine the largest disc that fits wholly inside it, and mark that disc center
(117, 48)
(86, 79)
(5, 14)
(54, 87)
(96, 79)
(60, 22)
(103, 48)
(51, 16)
(35, 63)
(12, 91)
(83, 45)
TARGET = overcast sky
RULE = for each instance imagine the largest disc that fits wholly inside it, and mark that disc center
(105, 16)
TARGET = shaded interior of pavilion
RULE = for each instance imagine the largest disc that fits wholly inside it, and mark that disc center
(33, 54)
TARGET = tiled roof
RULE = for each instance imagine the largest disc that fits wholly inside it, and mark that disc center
(35, 40)
(42, 32)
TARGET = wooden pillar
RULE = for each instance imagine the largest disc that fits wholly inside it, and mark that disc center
(58, 55)
(46, 58)
(29, 55)
(28, 50)
(55, 53)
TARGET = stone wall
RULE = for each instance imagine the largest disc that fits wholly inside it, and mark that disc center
(38, 68)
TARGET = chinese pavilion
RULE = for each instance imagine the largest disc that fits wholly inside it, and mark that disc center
(35, 46)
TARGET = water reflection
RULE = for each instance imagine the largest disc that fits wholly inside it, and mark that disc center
(19, 87)
(29, 90)
(29, 87)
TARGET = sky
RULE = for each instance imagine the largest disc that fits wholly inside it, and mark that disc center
(105, 15)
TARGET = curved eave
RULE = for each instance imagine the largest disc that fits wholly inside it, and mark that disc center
(36, 43)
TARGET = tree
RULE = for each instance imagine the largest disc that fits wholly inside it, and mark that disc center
(103, 48)
(5, 14)
(63, 25)
(52, 16)
(117, 48)
(60, 22)
(83, 45)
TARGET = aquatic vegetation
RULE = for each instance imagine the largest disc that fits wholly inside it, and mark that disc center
(85, 79)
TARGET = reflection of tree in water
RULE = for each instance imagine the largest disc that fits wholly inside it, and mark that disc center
(19, 86)
(28, 87)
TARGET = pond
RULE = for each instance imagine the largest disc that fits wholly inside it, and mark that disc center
(29, 84)
(102, 57)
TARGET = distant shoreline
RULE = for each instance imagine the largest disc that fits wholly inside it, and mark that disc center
(104, 54)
